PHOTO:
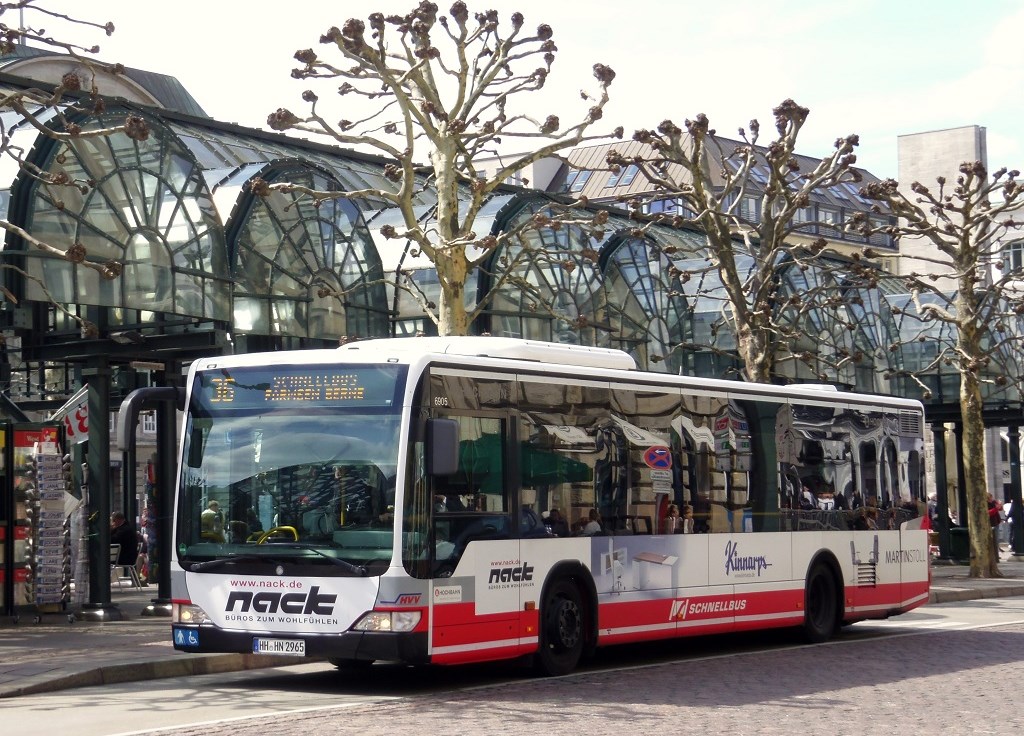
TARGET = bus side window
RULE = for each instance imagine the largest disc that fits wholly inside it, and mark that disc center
(472, 503)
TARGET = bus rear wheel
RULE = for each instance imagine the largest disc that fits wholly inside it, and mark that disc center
(821, 605)
(562, 634)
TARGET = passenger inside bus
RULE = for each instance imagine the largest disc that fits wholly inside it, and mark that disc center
(238, 532)
(588, 526)
(530, 523)
(212, 523)
(557, 524)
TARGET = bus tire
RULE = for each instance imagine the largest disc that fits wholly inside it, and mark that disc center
(562, 633)
(821, 604)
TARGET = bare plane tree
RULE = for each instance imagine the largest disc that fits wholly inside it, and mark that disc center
(716, 180)
(440, 91)
(963, 278)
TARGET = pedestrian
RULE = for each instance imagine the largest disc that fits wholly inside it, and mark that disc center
(122, 533)
(673, 522)
(995, 518)
(142, 562)
(1008, 513)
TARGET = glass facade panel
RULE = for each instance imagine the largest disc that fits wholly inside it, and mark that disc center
(814, 324)
(148, 209)
(317, 266)
(548, 292)
(647, 316)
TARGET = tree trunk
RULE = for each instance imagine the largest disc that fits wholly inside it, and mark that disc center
(984, 558)
(451, 311)
(450, 253)
(754, 350)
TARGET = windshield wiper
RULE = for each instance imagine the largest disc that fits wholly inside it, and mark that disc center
(359, 570)
(221, 561)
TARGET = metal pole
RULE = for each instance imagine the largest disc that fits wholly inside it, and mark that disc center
(961, 479)
(1017, 511)
(941, 488)
(99, 607)
(166, 476)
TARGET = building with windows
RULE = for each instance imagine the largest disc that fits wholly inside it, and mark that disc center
(586, 174)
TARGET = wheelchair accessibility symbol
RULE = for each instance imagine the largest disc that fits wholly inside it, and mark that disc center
(186, 637)
(658, 458)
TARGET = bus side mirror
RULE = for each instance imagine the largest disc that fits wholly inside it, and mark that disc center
(442, 446)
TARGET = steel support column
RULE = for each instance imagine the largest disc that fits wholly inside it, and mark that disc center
(99, 607)
(1017, 509)
(961, 479)
(941, 489)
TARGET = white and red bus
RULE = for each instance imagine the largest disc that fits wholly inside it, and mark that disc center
(402, 499)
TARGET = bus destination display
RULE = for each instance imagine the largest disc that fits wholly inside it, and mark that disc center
(297, 386)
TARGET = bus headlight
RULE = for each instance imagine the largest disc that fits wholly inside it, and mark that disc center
(388, 621)
(187, 613)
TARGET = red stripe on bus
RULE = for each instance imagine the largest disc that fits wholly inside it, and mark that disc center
(457, 625)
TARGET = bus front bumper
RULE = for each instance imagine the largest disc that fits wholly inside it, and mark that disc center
(355, 645)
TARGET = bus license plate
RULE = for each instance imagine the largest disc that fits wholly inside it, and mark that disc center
(287, 647)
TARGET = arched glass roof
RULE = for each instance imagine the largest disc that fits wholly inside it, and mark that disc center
(412, 281)
(548, 285)
(927, 349)
(229, 157)
(303, 270)
(144, 204)
(811, 305)
(166, 207)
(713, 350)
(867, 298)
(648, 313)
(922, 339)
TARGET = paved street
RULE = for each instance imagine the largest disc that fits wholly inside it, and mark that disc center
(904, 685)
(937, 670)
(55, 655)
(937, 663)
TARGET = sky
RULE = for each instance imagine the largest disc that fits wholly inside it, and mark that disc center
(876, 68)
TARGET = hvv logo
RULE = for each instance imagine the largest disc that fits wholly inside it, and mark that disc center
(404, 599)
(749, 564)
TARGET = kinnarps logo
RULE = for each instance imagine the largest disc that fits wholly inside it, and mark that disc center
(744, 566)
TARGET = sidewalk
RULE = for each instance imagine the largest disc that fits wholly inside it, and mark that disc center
(57, 655)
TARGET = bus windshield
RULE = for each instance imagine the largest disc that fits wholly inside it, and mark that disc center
(291, 462)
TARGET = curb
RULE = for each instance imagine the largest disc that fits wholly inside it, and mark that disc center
(204, 664)
(940, 594)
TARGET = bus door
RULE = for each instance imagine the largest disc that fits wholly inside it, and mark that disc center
(475, 605)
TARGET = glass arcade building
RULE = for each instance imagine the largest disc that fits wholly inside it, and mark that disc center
(210, 268)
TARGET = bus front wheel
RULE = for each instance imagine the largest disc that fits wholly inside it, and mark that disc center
(821, 606)
(562, 635)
